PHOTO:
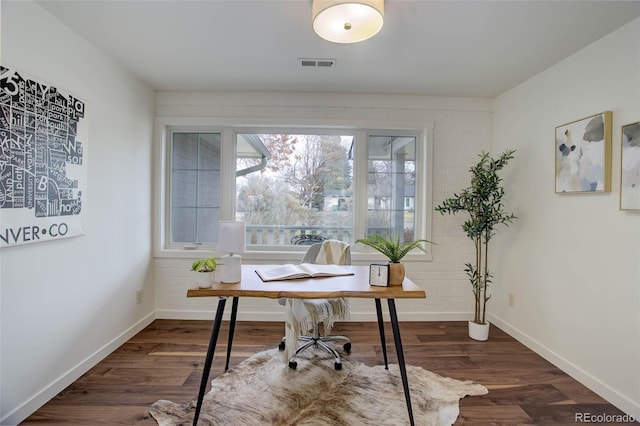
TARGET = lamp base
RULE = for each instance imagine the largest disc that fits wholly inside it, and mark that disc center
(231, 268)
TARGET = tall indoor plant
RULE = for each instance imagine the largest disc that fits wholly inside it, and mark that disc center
(394, 249)
(482, 201)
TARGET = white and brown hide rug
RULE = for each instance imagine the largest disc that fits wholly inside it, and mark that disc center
(263, 390)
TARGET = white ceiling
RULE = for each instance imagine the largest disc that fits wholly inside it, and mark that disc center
(441, 48)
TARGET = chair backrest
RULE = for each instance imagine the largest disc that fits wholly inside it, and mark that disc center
(306, 239)
(312, 253)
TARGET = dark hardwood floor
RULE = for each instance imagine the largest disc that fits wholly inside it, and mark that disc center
(165, 361)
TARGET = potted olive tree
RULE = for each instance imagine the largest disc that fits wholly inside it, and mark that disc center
(394, 249)
(205, 271)
(482, 201)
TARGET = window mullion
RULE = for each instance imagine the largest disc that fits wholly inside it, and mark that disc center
(424, 174)
(227, 175)
(361, 171)
(197, 190)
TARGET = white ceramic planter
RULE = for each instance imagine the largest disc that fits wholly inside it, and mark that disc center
(204, 279)
(479, 331)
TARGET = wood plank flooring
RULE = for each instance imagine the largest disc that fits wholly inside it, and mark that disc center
(164, 361)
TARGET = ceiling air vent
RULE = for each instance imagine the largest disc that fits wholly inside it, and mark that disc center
(317, 62)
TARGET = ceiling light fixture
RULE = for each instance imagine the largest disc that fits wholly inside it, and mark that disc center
(344, 21)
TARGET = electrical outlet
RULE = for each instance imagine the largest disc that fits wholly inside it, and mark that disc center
(512, 300)
(138, 296)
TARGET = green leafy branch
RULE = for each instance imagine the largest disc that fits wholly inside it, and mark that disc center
(393, 248)
(204, 265)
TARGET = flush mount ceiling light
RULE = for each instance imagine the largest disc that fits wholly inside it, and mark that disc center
(344, 21)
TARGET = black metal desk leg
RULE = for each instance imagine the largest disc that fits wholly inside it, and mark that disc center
(208, 360)
(400, 353)
(383, 341)
(232, 328)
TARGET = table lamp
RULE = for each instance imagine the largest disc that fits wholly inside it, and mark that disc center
(231, 236)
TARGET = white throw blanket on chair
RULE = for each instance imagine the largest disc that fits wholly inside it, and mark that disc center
(303, 314)
(332, 252)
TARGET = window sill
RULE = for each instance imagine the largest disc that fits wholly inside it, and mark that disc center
(286, 256)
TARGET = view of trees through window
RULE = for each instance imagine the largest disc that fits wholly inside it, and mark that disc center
(290, 185)
(293, 188)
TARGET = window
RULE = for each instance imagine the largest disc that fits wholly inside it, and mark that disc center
(195, 187)
(296, 187)
(391, 185)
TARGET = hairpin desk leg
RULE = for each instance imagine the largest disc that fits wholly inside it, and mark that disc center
(383, 341)
(400, 353)
(208, 360)
(232, 328)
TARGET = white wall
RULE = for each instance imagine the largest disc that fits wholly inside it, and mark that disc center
(573, 261)
(462, 128)
(68, 303)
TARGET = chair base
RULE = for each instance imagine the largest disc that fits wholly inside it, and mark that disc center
(316, 340)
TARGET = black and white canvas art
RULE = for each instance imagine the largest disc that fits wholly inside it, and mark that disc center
(43, 164)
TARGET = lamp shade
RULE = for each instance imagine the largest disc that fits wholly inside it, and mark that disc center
(344, 21)
(231, 236)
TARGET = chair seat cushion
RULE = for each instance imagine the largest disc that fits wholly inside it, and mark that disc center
(303, 314)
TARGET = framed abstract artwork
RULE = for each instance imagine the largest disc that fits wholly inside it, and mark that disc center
(583, 155)
(630, 167)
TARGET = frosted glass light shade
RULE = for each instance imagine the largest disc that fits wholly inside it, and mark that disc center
(231, 239)
(231, 235)
(343, 21)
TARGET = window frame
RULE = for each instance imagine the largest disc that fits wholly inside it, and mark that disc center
(169, 183)
(291, 131)
(422, 185)
(361, 132)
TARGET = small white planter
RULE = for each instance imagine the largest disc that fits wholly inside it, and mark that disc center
(479, 331)
(205, 279)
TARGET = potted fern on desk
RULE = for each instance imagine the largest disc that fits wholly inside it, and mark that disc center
(394, 249)
(482, 201)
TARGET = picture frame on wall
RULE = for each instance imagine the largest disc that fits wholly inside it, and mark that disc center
(630, 167)
(43, 160)
(583, 155)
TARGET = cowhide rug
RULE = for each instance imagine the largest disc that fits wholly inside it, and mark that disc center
(263, 390)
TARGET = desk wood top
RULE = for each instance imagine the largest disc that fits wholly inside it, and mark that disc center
(356, 285)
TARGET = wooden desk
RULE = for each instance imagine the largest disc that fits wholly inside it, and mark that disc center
(356, 285)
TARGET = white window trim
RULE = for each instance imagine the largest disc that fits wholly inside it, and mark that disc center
(361, 129)
(424, 176)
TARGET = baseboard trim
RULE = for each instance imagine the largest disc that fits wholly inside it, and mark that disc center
(605, 391)
(48, 392)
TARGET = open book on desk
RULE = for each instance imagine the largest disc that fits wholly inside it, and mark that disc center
(303, 270)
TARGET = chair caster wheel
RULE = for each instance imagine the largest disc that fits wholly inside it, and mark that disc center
(338, 366)
(293, 365)
(281, 346)
(347, 348)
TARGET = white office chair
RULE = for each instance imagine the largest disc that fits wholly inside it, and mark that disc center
(314, 255)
